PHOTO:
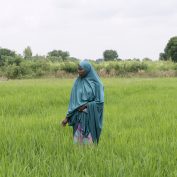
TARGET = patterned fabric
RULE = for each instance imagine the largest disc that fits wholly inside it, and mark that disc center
(79, 138)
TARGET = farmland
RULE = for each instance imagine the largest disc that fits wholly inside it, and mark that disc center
(138, 138)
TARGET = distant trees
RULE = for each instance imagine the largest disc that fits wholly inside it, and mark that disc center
(27, 53)
(6, 54)
(109, 55)
(0, 59)
(146, 59)
(63, 55)
(99, 60)
(163, 56)
(170, 51)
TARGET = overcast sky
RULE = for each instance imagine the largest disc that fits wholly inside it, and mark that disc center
(85, 28)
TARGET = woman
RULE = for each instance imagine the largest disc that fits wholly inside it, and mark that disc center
(85, 111)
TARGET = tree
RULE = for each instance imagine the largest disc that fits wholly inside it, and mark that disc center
(4, 54)
(110, 55)
(1, 62)
(163, 56)
(170, 51)
(27, 53)
(59, 53)
(146, 59)
(7, 52)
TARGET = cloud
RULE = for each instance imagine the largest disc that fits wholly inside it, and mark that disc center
(136, 28)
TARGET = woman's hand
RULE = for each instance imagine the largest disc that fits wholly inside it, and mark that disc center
(81, 108)
(64, 122)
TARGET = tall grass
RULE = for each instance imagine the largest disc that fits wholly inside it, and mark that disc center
(138, 139)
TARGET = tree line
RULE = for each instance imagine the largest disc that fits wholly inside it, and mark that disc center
(54, 55)
(170, 51)
(13, 65)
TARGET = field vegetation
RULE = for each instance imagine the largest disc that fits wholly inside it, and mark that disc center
(138, 139)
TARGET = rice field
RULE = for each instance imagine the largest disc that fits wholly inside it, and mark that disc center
(139, 137)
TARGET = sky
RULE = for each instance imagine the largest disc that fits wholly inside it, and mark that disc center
(85, 28)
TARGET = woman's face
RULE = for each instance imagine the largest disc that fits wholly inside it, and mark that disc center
(81, 71)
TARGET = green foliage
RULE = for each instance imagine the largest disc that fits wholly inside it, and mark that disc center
(58, 63)
(123, 67)
(171, 49)
(138, 138)
(55, 59)
(38, 68)
(6, 53)
(146, 59)
(161, 66)
(70, 67)
(136, 66)
(110, 55)
(27, 53)
(18, 68)
(26, 70)
(59, 54)
(12, 60)
(163, 56)
(40, 65)
(38, 57)
(13, 71)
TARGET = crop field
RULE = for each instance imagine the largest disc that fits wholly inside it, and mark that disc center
(139, 137)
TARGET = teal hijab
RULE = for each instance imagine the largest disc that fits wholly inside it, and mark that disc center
(87, 90)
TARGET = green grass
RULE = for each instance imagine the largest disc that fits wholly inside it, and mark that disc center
(139, 137)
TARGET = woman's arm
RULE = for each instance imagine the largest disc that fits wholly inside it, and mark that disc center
(64, 122)
(81, 108)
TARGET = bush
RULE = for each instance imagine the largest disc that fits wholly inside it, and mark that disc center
(125, 66)
(20, 68)
(40, 72)
(13, 72)
(26, 70)
(135, 66)
(70, 67)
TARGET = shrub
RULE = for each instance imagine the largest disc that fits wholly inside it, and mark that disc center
(13, 72)
(70, 67)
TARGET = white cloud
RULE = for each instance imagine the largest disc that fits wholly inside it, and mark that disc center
(135, 28)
